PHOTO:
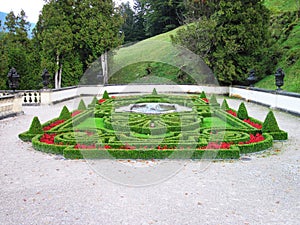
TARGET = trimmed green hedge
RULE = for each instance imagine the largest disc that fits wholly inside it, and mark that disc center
(179, 134)
(232, 153)
(256, 147)
(43, 147)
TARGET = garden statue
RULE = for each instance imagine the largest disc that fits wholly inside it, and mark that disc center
(13, 79)
(252, 78)
(279, 76)
(45, 77)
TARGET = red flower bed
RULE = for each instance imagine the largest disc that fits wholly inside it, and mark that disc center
(205, 99)
(256, 125)
(54, 124)
(89, 133)
(214, 145)
(128, 147)
(101, 100)
(48, 138)
(254, 139)
(82, 146)
(75, 113)
(230, 111)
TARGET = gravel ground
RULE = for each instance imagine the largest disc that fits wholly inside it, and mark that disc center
(38, 188)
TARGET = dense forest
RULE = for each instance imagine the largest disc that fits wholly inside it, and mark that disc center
(232, 36)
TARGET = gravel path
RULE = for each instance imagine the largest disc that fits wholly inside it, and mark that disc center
(38, 188)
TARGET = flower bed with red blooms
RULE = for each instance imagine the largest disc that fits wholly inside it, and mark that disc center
(48, 138)
(83, 146)
(230, 111)
(54, 124)
(253, 124)
(75, 113)
(102, 100)
(205, 99)
(254, 139)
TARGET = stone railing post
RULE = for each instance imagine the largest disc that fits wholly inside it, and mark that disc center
(46, 96)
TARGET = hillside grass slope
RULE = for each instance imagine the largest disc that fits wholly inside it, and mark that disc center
(149, 61)
(288, 34)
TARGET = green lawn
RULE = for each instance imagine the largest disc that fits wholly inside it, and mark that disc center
(91, 123)
(209, 122)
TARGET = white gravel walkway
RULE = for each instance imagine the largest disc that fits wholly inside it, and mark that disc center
(38, 188)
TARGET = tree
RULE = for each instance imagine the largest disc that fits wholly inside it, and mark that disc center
(99, 28)
(56, 38)
(73, 34)
(162, 15)
(16, 51)
(232, 40)
(128, 27)
(198, 9)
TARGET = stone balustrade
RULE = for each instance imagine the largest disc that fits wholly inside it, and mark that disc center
(10, 105)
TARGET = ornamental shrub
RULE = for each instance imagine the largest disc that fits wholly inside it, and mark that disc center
(225, 105)
(154, 92)
(242, 112)
(81, 105)
(270, 124)
(94, 101)
(105, 95)
(202, 95)
(35, 127)
(213, 100)
(65, 114)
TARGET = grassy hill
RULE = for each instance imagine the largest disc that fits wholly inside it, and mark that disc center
(156, 61)
(286, 28)
(152, 60)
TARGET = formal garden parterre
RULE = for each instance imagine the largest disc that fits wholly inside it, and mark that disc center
(207, 131)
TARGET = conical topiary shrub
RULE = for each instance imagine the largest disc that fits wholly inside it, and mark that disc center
(270, 124)
(225, 105)
(242, 112)
(93, 102)
(105, 95)
(202, 95)
(65, 114)
(213, 100)
(35, 127)
(154, 92)
(81, 105)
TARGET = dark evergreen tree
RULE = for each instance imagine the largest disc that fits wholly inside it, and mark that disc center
(232, 40)
(162, 15)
